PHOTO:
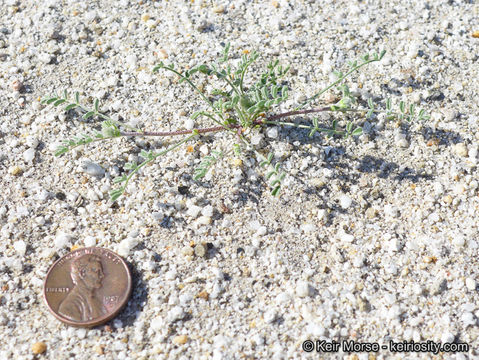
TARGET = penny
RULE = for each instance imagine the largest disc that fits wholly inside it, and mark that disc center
(87, 287)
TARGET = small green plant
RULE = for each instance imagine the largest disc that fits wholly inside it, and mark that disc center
(235, 108)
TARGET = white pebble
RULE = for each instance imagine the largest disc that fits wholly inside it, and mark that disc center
(282, 298)
(345, 201)
(20, 247)
(438, 189)
(204, 220)
(256, 139)
(27, 120)
(175, 314)
(459, 240)
(447, 337)
(194, 211)
(471, 284)
(468, 319)
(322, 214)
(302, 289)
(89, 241)
(93, 169)
(157, 323)
(460, 149)
(81, 333)
(308, 228)
(207, 211)
(189, 124)
(125, 246)
(62, 241)
(90, 16)
(390, 210)
(344, 237)
(145, 77)
(45, 58)
(158, 215)
(272, 133)
(28, 155)
(32, 142)
(131, 60)
(204, 149)
(315, 330)
(270, 316)
(262, 230)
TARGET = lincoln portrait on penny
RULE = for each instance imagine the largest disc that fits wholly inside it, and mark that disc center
(82, 303)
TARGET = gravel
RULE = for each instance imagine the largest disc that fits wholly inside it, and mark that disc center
(374, 238)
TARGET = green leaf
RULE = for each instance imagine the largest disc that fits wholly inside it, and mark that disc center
(88, 115)
(59, 102)
(357, 131)
(349, 127)
(381, 55)
(71, 106)
(271, 173)
(61, 150)
(77, 97)
(411, 109)
(50, 100)
(388, 104)
(65, 94)
(370, 103)
(97, 103)
(402, 107)
(158, 67)
(130, 165)
(421, 114)
(275, 191)
(119, 179)
(115, 194)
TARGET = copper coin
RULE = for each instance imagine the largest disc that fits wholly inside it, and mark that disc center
(87, 287)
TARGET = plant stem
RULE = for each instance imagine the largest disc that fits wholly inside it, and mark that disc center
(298, 112)
(180, 132)
(355, 68)
(154, 157)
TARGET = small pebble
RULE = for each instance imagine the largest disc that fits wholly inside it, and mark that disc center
(272, 132)
(45, 58)
(200, 250)
(344, 237)
(345, 201)
(189, 124)
(15, 170)
(126, 245)
(460, 149)
(219, 9)
(371, 213)
(28, 155)
(193, 211)
(17, 85)
(89, 241)
(20, 247)
(93, 169)
(62, 241)
(471, 284)
(302, 289)
(322, 214)
(162, 54)
(39, 348)
(180, 339)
